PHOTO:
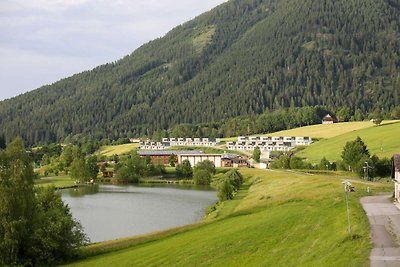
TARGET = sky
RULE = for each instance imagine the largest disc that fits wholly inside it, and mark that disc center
(43, 41)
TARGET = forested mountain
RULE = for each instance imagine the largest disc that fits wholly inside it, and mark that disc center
(243, 57)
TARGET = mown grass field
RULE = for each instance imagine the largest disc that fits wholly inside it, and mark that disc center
(279, 218)
(56, 181)
(118, 149)
(381, 140)
(322, 131)
(325, 130)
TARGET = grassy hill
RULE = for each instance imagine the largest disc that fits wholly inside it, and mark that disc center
(381, 140)
(117, 150)
(321, 131)
(326, 131)
(241, 58)
(278, 219)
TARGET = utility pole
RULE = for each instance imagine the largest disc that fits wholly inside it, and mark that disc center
(366, 171)
(348, 188)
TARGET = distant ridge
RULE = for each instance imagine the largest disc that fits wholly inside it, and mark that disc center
(243, 57)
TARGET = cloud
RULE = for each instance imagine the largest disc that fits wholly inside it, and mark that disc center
(49, 35)
(22, 70)
(46, 5)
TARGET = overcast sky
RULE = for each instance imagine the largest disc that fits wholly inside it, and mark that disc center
(42, 41)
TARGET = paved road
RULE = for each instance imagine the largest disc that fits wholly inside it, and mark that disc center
(384, 218)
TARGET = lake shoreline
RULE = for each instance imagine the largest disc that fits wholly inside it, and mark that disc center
(140, 208)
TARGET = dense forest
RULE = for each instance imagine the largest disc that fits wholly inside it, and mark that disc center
(243, 58)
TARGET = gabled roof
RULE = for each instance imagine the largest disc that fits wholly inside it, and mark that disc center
(395, 164)
(327, 118)
(229, 156)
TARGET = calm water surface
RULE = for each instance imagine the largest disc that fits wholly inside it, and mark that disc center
(108, 211)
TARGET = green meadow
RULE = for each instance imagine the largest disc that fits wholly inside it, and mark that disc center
(278, 218)
(62, 181)
(382, 140)
(324, 131)
(118, 149)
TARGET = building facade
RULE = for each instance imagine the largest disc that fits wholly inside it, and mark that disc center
(167, 143)
(163, 156)
(196, 158)
(269, 143)
(327, 119)
(235, 161)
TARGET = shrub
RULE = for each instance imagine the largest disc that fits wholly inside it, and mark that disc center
(184, 169)
(227, 184)
(201, 177)
(206, 165)
(226, 190)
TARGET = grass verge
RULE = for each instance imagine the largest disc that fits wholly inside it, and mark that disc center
(279, 219)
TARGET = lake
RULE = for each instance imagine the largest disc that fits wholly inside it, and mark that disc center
(111, 211)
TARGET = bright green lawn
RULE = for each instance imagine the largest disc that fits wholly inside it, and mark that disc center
(283, 219)
(322, 131)
(118, 150)
(381, 140)
(56, 181)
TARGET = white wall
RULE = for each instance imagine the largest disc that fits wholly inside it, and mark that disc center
(194, 159)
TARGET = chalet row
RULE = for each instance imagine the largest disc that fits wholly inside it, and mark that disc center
(269, 143)
(166, 143)
(194, 157)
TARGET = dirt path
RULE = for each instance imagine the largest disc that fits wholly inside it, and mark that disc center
(384, 219)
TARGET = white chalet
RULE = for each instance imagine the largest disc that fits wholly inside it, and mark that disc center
(269, 143)
(166, 143)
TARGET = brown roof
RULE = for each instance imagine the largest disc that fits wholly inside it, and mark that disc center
(396, 164)
(328, 118)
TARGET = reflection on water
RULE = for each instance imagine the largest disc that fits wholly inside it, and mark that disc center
(110, 211)
(83, 190)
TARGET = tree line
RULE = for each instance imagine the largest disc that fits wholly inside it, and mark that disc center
(258, 57)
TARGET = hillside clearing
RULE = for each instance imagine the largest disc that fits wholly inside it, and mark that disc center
(328, 130)
(118, 149)
(381, 140)
(322, 131)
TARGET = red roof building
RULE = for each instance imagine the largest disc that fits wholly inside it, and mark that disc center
(327, 119)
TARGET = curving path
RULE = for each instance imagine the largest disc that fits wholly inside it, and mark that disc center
(384, 219)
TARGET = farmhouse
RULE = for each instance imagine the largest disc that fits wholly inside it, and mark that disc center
(235, 161)
(327, 119)
(396, 176)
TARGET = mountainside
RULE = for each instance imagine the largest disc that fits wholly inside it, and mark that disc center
(243, 57)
